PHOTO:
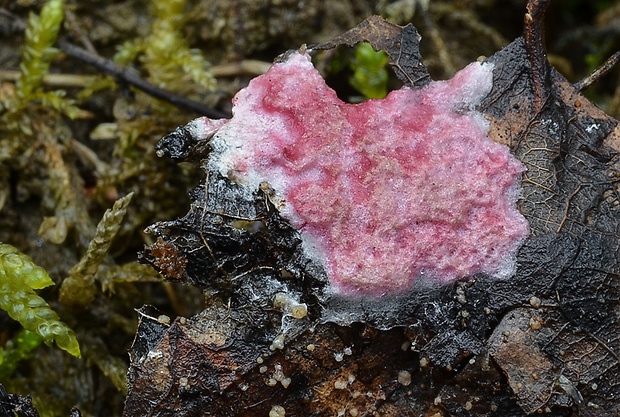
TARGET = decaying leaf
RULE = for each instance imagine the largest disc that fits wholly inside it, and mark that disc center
(16, 405)
(274, 337)
(402, 45)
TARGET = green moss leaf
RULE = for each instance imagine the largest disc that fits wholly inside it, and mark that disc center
(79, 288)
(19, 276)
(167, 55)
(41, 35)
(370, 76)
(20, 348)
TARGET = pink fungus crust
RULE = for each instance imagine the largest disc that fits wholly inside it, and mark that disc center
(385, 192)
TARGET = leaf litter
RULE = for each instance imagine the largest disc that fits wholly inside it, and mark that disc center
(545, 340)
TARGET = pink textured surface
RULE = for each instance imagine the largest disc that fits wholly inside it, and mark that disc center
(384, 192)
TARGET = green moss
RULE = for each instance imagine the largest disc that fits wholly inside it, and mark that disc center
(19, 277)
(370, 75)
(29, 97)
(37, 56)
(166, 54)
(41, 35)
(20, 348)
(79, 288)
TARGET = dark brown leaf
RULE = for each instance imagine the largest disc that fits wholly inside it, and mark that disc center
(401, 44)
(13, 405)
(552, 330)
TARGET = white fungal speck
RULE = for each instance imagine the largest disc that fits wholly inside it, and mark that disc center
(299, 311)
(460, 295)
(339, 384)
(290, 306)
(278, 343)
(536, 323)
(277, 411)
(404, 378)
(163, 319)
(155, 354)
(280, 300)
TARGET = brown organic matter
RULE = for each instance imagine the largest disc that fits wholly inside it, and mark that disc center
(243, 356)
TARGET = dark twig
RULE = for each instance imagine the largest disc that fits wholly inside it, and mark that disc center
(598, 73)
(76, 29)
(440, 46)
(125, 75)
(533, 34)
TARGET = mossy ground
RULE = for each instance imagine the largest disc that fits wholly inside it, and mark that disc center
(84, 140)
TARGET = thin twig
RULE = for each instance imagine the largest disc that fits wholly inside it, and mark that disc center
(124, 74)
(467, 18)
(232, 69)
(75, 27)
(534, 44)
(90, 157)
(598, 73)
(245, 67)
(127, 76)
(440, 46)
(52, 79)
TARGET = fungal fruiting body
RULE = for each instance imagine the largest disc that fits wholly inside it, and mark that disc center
(385, 192)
